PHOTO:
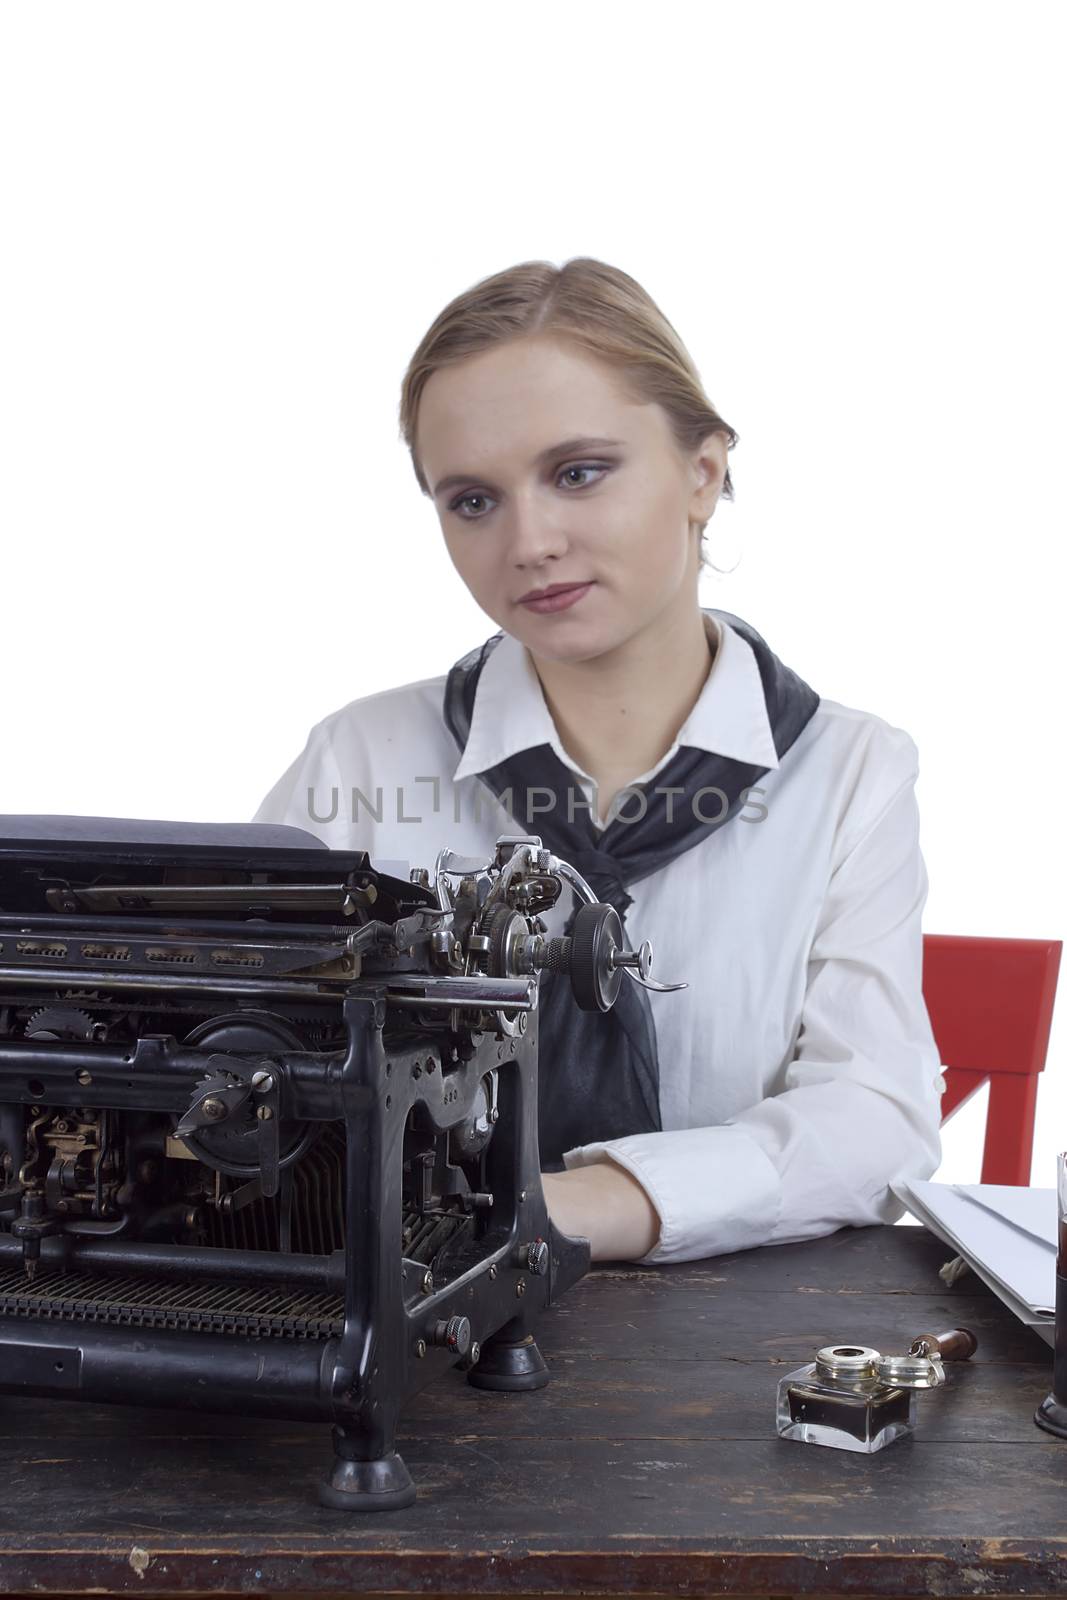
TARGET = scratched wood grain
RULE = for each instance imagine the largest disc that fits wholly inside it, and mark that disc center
(649, 1465)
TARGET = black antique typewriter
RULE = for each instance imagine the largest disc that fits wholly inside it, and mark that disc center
(268, 1122)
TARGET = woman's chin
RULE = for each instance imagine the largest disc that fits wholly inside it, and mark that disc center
(576, 644)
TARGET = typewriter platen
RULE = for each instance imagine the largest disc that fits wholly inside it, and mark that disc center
(268, 1123)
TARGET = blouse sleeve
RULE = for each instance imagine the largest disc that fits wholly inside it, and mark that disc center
(861, 1098)
(309, 793)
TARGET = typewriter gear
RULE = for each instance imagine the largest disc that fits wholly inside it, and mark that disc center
(503, 927)
(59, 1022)
(268, 1123)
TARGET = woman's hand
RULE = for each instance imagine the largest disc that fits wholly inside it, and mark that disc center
(605, 1204)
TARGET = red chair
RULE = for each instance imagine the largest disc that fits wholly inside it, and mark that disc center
(990, 1004)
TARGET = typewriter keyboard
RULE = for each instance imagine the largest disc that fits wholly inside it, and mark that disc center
(141, 1302)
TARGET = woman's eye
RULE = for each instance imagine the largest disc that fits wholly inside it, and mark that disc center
(582, 466)
(465, 500)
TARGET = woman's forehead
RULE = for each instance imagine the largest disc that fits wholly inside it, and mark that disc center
(521, 407)
(521, 370)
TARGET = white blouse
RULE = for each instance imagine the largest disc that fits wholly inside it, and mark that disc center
(799, 1075)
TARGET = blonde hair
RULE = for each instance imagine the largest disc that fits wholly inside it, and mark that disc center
(592, 305)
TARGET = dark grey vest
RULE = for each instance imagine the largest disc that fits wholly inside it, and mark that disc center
(599, 1071)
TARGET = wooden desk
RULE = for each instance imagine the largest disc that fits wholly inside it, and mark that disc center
(649, 1465)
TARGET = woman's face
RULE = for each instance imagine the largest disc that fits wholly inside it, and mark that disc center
(521, 508)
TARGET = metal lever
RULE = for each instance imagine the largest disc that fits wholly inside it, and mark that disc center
(265, 1086)
(642, 960)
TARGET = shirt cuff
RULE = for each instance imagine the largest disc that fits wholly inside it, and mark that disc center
(716, 1189)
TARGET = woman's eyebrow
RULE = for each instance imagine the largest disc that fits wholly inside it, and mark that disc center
(565, 447)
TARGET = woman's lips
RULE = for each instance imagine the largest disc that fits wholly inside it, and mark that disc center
(558, 602)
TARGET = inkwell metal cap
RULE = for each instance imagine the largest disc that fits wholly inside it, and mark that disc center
(850, 1362)
(911, 1371)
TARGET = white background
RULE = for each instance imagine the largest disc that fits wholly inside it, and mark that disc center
(225, 227)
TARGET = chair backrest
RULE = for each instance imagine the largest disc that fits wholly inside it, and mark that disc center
(990, 1003)
(990, 1000)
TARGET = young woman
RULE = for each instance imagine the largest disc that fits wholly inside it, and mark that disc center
(765, 840)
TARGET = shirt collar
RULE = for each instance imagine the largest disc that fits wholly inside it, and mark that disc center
(510, 714)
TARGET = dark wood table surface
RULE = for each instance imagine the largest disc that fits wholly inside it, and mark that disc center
(649, 1465)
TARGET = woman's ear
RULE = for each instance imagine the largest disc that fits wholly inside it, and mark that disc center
(709, 469)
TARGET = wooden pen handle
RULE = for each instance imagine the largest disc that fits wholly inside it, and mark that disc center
(955, 1344)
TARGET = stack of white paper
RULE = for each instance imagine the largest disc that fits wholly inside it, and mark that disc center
(1006, 1233)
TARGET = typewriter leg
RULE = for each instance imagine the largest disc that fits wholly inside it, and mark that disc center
(384, 1484)
(509, 1360)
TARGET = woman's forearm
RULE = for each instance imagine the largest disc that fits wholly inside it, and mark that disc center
(605, 1204)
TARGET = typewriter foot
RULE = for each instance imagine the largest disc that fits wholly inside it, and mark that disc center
(510, 1364)
(381, 1485)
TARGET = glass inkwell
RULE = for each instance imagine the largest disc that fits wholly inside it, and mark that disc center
(852, 1397)
(1051, 1414)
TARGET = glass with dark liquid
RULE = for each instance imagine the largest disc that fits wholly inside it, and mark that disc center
(1051, 1414)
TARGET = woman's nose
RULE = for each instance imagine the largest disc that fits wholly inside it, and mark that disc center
(535, 533)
